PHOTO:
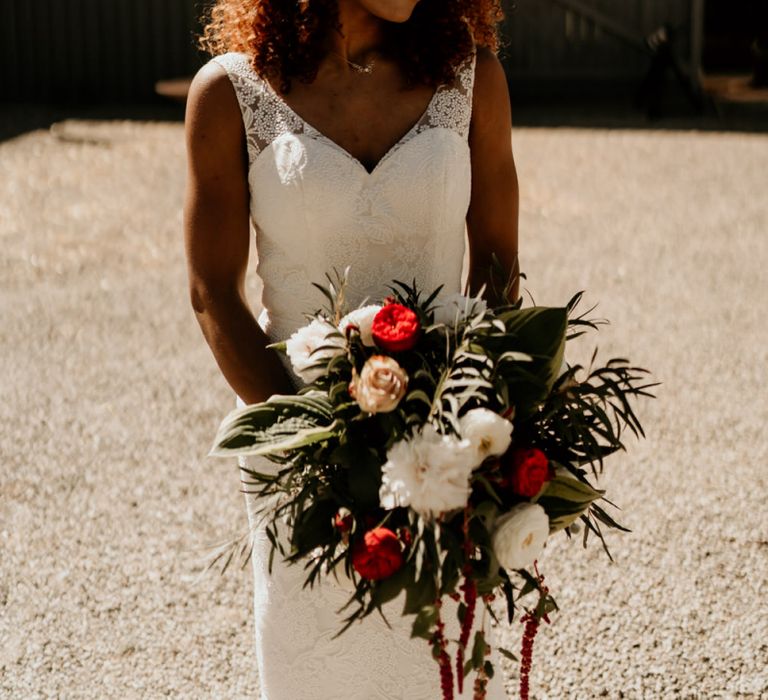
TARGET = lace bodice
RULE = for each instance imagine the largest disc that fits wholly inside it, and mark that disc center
(314, 208)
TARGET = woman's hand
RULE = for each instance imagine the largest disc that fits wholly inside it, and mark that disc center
(217, 236)
(493, 211)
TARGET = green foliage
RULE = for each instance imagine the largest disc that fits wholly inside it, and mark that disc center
(280, 424)
(565, 499)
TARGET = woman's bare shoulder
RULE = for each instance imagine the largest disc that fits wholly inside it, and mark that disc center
(212, 105)
(490, 79)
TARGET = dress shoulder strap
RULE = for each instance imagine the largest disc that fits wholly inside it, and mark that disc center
(265, 115)
(451, 107)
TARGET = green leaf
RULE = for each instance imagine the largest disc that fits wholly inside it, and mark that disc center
(281, 423)
(538, 332)
(478, 650)
(424, 622)
(507, 654)
(421, 594)
(564, 499)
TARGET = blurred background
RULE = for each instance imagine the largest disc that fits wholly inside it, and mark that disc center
(567, 60)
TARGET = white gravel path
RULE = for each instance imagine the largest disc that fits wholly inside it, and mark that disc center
(110, 399)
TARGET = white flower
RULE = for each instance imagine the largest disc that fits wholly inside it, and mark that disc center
(429, 472)
(520, 536)
(489, 433)
(301, 347)
(363, 319)
(456, 308)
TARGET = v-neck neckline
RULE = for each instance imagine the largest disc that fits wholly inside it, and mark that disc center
(389, 152)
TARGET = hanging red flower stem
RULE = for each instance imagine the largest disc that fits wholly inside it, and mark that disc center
(469, 588)
(444, 660)
(532, 622)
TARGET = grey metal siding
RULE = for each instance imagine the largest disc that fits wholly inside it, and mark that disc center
(566, 39)
(94, 49)
(117, 49)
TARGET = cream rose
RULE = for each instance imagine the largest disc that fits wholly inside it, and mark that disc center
(380, 386)
(363, 319)
(520, 536)
(311, 346)
(489, 433)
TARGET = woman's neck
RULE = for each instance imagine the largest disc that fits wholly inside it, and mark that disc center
(360, 33)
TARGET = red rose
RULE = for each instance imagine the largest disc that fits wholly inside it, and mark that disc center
(395, 328)
(378, 555)
(527, 471)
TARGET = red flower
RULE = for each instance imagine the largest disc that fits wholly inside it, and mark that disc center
(527, 471)
(405, 536)
(395, 328)
(378, 555)
(343, 520)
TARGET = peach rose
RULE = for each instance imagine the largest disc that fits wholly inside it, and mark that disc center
(380, 386)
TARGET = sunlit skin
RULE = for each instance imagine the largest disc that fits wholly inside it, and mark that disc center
(365, 115)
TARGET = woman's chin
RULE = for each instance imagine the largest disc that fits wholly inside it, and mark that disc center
(396, 12)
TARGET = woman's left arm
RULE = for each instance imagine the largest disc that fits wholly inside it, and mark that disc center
(493, 210)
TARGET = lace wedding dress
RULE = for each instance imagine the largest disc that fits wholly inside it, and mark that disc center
(314, 208)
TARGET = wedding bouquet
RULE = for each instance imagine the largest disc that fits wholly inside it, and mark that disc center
(435, 447)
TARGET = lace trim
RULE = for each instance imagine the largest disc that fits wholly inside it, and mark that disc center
(266, 116)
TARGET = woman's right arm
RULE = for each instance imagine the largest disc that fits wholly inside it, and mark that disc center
(217, 237)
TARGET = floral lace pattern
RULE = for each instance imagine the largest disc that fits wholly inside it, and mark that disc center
(315, 208)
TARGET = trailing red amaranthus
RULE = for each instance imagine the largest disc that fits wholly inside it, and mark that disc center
(469, 588)
(531, 620)
(526, 652)
(441, 644)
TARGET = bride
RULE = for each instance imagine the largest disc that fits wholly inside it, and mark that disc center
(373, 134)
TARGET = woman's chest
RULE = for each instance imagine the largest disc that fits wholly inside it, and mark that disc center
(305, 187)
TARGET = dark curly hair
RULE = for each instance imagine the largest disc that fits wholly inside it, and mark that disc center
(285, 38)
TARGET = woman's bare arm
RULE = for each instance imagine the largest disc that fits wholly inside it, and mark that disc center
(493, 211)
(217, 236)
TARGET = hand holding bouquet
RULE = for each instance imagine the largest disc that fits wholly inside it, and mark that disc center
(435, 448)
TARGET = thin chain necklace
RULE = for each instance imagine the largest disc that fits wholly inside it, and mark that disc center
(365, 69)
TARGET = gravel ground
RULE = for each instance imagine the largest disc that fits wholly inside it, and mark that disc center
(111, 398)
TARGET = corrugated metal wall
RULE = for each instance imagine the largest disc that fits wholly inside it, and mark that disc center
(112, 50)
(553, 39)
(94, 49)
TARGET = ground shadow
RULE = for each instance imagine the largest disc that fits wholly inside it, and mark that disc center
(18, 119)
(582, 106)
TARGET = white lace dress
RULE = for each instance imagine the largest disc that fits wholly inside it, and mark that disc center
(314, 208)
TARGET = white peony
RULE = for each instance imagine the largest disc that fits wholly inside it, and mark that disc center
(363, 319)
(429, 472)
(520, 536)
(489, 433)
(302, 348)
(454, 308)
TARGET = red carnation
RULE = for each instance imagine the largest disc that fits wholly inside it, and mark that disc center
(395, 328)
(378, 555)
(527, 471)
